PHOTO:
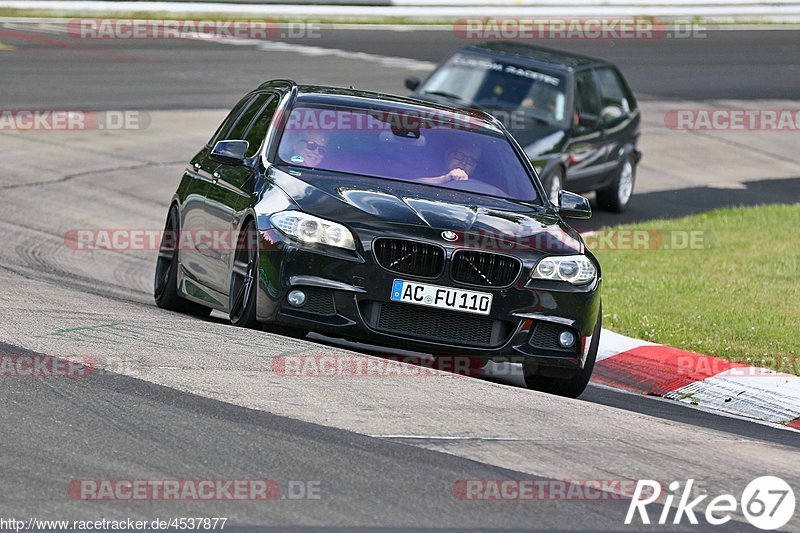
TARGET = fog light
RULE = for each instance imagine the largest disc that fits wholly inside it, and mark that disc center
(566, 339)
(296, 298)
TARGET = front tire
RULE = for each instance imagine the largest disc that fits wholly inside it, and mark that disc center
(573, 386)
(165, 284)
(244, 279)
(616, 196)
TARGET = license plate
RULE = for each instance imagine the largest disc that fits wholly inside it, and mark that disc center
(441, 297)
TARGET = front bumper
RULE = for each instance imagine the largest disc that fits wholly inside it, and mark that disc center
(348, 296)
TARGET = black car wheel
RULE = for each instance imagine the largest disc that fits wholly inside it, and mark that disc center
(553, 183)
(242, 294)
(617, 195)
(572, 386)
(165, 286)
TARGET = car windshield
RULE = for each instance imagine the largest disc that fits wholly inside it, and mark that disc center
(413, 144)
(500, 86)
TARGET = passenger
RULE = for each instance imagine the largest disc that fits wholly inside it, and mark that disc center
(309, 149)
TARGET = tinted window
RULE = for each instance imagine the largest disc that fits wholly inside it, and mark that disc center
(615, 101)
(420, 145)
(230, 119)
(586, 100)
(258, 129)
(500, 86)
(243, 121)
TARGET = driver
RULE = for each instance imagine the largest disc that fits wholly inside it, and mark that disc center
(542, 97)
(459, 163)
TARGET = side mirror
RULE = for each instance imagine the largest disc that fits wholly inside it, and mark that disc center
(229, 152)
(573, 205)
(412, 82)
(587, 120)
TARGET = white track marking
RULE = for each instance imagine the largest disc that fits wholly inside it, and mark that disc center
(319, 51)
(749, 392)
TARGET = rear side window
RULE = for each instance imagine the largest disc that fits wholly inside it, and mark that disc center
(230, 120)
(258, 129)
(244, 120)
(614, 96)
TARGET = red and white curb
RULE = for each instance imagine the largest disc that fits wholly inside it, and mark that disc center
(707, 382)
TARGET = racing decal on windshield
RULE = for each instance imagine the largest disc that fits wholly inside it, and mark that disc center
(486, 64)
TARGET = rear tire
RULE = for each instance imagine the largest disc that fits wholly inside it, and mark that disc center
(165, 284)
(616, 196)
(573, 386)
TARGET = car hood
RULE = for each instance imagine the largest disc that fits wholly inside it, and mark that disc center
(359, 200)
(537, 138)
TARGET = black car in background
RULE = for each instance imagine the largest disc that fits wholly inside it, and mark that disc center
(388, 220)
(575, 116)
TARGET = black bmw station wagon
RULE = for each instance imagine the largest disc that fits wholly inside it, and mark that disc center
(384, 219)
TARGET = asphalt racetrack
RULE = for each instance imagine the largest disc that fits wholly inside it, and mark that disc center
(184, 398)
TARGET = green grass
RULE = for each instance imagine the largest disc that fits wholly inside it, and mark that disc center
(738, 297)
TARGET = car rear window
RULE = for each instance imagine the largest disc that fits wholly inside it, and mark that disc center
(408, 144)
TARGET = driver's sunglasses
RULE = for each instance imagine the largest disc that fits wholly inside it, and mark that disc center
(313, 146)
(464, 158)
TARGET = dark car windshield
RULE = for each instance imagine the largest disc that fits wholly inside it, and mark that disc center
(500, 85)
(413, 144)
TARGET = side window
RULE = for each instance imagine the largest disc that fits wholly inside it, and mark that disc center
(258, 129)
(230, 120)
(586, 100)
(615, 102)
(239, 128)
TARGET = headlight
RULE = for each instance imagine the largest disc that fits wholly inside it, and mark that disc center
(313, 230)
(575, 269)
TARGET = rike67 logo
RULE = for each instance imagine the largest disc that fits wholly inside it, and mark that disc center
(767, 502)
